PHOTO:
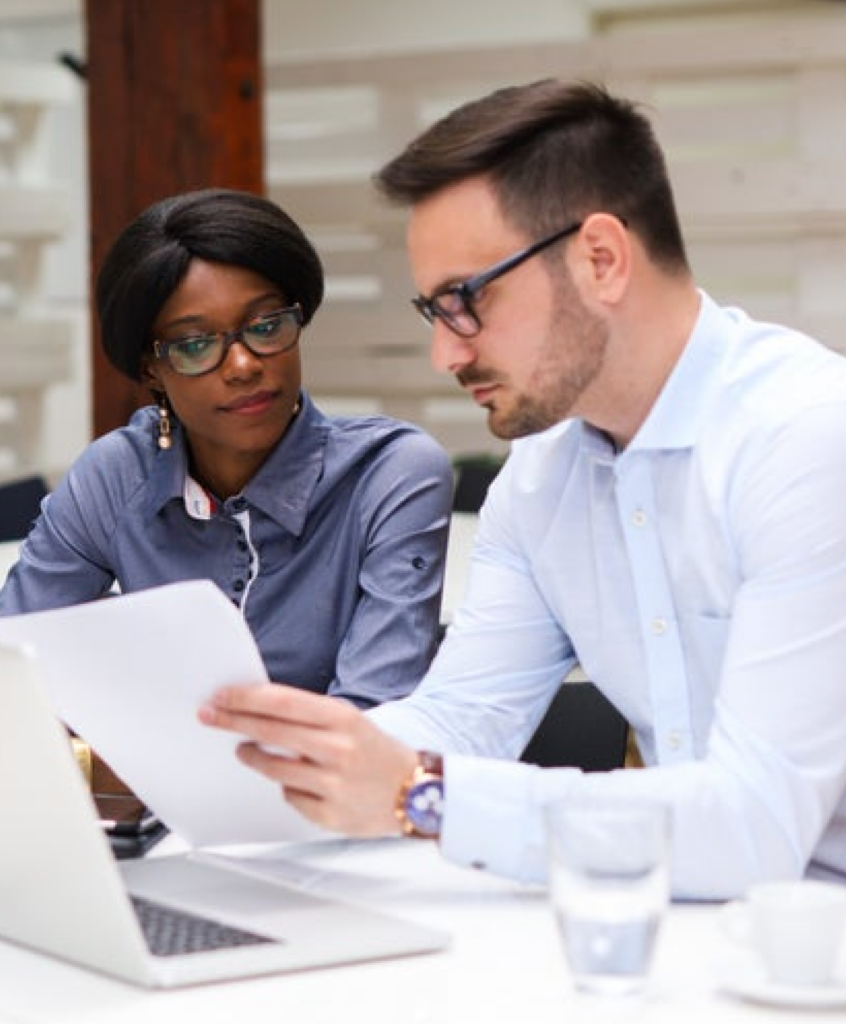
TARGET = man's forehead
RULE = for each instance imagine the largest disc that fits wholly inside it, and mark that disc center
(453, 233)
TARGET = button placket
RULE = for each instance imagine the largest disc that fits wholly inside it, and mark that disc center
(664, 657)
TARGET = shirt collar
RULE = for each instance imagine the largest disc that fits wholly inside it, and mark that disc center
(678, 414)
(283, 486)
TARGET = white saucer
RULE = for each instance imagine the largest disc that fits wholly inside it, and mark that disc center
(744, 976)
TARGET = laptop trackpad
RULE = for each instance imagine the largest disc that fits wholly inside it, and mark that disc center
(185, 882)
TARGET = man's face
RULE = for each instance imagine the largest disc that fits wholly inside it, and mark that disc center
(538, 348)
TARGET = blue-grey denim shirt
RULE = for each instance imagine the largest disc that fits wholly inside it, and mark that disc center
(334, 551)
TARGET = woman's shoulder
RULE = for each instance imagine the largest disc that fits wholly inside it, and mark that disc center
(385, 438)
(125, 449)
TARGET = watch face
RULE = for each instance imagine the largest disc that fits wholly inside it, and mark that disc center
(424, 806)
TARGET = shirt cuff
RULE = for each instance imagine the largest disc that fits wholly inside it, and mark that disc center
(492, 817)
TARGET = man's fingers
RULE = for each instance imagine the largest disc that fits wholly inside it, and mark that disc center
(287, 771)
(282, 738)
(279, 702)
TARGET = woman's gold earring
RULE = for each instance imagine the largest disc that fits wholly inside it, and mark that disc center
(165, 439)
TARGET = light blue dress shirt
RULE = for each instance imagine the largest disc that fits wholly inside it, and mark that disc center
(699, 578)
(334, 551)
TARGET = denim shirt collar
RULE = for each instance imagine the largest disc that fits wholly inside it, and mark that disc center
(282, 488)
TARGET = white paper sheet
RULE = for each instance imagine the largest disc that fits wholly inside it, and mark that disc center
(128, 673)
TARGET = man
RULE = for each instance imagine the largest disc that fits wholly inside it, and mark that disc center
(672, 517)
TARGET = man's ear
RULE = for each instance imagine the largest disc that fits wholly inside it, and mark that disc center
(607, 254)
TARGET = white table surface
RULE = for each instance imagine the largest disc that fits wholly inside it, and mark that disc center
(504, 964)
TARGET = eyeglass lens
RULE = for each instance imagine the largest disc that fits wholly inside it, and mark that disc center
(454, 304)
(265, 336)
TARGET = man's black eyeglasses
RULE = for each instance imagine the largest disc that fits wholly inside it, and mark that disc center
(266, 335)
(454, 304)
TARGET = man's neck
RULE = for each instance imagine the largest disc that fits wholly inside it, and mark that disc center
(643, 350)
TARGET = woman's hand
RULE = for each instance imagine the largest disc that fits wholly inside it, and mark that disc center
(334, 765)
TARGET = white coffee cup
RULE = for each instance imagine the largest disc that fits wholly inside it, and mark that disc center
(797, 928)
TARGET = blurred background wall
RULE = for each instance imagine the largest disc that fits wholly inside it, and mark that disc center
(748, 98)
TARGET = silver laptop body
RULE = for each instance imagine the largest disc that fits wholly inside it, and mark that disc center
(63, 893)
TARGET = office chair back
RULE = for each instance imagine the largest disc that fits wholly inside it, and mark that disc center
(581, 729)
(20, 504)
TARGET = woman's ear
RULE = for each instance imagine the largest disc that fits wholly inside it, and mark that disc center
(150, 376)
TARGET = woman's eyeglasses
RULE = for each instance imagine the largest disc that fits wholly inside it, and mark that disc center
(454, 304)
(266, 335)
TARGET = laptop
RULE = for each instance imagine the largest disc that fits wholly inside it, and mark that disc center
(159, 922)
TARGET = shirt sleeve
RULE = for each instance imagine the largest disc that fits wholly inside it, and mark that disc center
(503, 657)
(62, 561)
(394, 629)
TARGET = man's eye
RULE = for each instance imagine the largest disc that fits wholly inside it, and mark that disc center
(451, 301)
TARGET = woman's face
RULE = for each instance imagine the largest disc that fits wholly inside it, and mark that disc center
(234, 415)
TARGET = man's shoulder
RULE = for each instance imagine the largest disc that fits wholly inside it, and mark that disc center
(780, 371)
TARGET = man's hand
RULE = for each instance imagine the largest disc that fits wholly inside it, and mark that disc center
(339, 770)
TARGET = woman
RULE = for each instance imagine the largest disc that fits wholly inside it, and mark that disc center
(329, 533)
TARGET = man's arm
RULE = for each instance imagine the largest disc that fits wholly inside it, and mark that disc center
(755, 806)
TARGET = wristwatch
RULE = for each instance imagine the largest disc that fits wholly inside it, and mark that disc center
(419, 807)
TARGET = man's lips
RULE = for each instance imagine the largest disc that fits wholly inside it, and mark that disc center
(247, 405)
(481, 392)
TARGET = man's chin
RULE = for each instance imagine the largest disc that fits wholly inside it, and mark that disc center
(511, 428)
(505, 429)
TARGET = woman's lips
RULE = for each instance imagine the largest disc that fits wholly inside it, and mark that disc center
(250, 405)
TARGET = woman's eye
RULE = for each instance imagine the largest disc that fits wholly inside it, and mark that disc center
(194, 347)
(265, 328)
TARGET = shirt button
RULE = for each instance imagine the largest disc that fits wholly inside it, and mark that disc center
(639, 517)
(674, 739)
(238, 586)
(659, 626)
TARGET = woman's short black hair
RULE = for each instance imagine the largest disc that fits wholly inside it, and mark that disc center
(151, 256)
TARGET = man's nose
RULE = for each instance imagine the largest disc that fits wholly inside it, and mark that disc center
(450, 352)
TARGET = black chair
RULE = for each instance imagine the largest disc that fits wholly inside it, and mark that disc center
(473, 476)
(581, 729)
(20, 504)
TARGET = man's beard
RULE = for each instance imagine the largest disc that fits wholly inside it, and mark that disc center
(571, 359)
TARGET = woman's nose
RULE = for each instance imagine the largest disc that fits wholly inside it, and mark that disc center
(240, 361)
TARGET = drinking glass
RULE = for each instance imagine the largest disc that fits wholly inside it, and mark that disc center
(609, 888)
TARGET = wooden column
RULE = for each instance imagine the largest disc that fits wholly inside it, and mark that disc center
(175, 102)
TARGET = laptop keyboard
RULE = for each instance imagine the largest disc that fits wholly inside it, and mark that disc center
(172, 932)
